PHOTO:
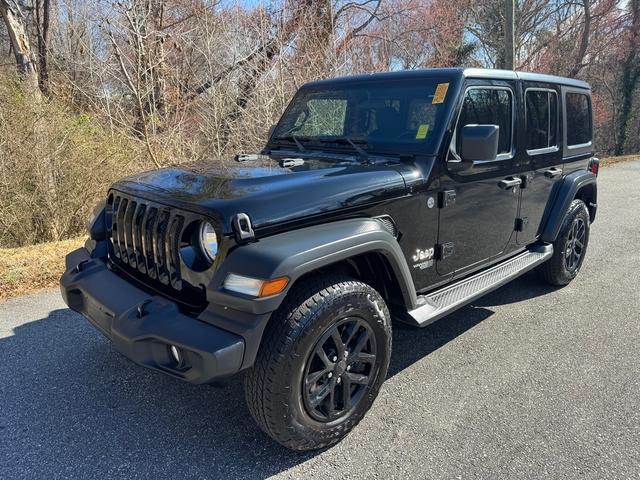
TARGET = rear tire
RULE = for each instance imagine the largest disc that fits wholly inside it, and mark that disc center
(323, 358)
(570, 247)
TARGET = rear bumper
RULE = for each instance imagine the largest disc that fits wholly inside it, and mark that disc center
(143, 326)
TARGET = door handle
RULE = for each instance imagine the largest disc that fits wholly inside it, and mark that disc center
(509, 182)
(552, 172)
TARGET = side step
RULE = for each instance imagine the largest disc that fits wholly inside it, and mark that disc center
(441, 302)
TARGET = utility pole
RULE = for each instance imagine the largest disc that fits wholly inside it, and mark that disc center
(509, 7)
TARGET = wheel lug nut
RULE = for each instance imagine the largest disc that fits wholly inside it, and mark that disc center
(339, 380)
(334, 359)
(348, 368)
(330, 374)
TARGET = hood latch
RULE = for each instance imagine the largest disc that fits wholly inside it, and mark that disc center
(242, 228)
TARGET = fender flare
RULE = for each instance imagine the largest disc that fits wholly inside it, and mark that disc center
(298, 252)
(566, 193)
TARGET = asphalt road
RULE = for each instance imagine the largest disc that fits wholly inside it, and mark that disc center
(529, 382)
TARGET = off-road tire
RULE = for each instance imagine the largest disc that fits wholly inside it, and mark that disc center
(556, 270)
(274, 385)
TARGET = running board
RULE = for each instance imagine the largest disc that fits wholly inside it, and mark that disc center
(441, 302)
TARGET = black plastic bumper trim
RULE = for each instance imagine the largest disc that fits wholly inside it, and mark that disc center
(142, 326)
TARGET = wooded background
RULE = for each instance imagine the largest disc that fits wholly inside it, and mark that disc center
(92, 90)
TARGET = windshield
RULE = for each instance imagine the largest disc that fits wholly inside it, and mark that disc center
(400, 116)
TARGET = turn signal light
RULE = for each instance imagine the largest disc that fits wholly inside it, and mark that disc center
(594, 166)
(273, 287)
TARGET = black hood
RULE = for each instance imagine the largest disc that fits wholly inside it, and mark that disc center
(266, 192)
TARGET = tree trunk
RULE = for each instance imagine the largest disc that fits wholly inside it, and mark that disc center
(13, 19)
(43, 22)
(584, 41)
(630, 77)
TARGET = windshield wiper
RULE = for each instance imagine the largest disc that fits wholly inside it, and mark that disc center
(362, 153)
(291, 136)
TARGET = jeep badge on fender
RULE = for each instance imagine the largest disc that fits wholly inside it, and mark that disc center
(407, 194)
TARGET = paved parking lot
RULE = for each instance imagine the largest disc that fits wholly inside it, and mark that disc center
(527, 382)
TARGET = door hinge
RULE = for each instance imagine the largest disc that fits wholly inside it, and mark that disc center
(521, 224)
(444, 250)
(446, 198)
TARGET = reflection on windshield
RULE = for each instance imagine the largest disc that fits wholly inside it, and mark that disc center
(395, 116)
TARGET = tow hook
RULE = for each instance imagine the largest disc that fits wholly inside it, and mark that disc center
(141, 311)
(81, 265)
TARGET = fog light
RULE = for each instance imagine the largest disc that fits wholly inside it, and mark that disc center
(175, 354)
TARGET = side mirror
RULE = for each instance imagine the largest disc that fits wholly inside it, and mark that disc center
(478, 142)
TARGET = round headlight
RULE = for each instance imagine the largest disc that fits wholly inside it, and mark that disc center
(208, 240)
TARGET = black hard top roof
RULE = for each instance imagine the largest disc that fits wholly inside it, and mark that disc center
(460, 72)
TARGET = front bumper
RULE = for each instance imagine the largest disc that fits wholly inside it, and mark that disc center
(143, 326)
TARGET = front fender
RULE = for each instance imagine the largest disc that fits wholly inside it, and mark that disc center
(298, 252)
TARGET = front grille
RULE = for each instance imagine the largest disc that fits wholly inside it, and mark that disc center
(146, 239)
(149, 243)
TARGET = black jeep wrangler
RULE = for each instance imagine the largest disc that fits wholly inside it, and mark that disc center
(401, 195)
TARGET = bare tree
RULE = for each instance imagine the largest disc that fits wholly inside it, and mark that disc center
(14, 20)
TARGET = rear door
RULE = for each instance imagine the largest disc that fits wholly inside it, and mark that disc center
(477, 216)
(541, 158)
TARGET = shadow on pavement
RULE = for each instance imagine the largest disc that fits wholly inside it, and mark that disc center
(72, 407)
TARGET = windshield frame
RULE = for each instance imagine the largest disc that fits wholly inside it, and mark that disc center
(323, 142)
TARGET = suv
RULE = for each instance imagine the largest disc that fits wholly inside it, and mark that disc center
(401, 195)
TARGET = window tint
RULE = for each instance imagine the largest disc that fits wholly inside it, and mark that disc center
(483, 106)
(578, 118)
(325, 116)
(542, 119)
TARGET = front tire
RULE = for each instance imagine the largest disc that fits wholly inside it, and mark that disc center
(323, 358)
(570, 247)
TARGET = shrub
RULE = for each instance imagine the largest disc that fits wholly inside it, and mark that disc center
(54, 166)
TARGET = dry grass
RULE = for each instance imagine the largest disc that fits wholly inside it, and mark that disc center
(28, 269)
(605, 162)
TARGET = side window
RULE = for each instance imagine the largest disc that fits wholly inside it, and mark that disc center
(489, 106)
(324, 116)
(542, 119)
(578, 112)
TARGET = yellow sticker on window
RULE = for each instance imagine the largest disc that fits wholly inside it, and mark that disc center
(422, 131)
(441, 93)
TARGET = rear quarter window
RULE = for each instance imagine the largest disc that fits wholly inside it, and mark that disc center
(578, 116)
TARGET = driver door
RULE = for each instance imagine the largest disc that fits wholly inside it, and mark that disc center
(477, 216)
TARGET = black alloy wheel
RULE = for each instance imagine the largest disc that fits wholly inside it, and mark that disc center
(574, 247)
(339, 369)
